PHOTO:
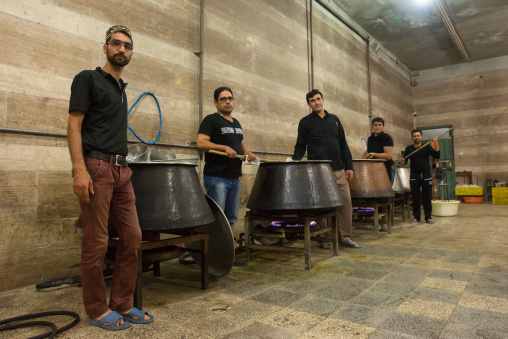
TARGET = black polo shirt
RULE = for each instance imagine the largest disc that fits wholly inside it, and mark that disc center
(104, 102)
(324, 139)
(222, 132)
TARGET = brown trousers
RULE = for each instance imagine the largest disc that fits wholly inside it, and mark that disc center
(113, 196)
(345, 213)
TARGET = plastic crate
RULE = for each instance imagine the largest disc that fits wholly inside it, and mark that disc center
(500, 195)
(469, 191)
(500, 201)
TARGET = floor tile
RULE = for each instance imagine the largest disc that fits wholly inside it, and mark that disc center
(257, 330)
(444, 284)
(292, 320)
(278, 297)
(314, 305)
(337, 328)
(434, 294)
(362, 314)
(426, 308)
(450, 275)
(419, 326)
(468, 322)
(482, 302)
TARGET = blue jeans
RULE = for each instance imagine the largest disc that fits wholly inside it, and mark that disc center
(226, 193)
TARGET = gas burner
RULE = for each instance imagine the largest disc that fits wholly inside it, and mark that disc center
(286, 224)
(363, 209)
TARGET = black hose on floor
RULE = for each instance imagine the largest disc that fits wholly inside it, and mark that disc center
(51, 334)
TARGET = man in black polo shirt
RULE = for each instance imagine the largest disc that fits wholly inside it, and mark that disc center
(322, 135)
(380, 146)
(421, 175)
(97, 139)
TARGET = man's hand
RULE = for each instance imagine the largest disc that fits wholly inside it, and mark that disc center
(250, 156)
(402, 161)
(370, 156)
(349, 175)
(82, 185)
(231, 152)
(435, 144)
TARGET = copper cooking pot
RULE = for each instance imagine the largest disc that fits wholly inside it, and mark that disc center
(370, 180)
(295, 187)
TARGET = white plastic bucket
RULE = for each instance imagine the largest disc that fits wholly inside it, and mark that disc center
(447, 208)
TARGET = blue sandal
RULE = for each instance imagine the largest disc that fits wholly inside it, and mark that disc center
(141, 316)
(111, 318)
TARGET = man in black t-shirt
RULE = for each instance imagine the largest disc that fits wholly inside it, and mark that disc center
(221, 132)
(97, 139)
(421, 175)
(380, 146)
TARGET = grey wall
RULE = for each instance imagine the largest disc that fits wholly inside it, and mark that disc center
(474, 98)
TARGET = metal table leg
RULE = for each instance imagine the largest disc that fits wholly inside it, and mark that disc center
(335, 231)
(247, 237)
(307, 242)
(376, 221)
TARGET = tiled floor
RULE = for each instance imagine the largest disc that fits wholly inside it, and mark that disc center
(447, 280)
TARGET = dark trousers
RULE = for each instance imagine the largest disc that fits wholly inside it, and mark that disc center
(114, 196)
(421, 181)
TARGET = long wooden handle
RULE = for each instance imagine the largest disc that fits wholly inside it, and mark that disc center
(410, 154)
(241, 157)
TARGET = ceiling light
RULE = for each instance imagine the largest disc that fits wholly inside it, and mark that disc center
(422, 2)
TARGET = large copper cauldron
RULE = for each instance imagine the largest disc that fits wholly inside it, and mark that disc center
(169, 196)
(401, 180)
(293, 187)
(370, 180)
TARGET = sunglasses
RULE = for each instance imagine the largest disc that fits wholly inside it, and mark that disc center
(117, 43)
(224, 99)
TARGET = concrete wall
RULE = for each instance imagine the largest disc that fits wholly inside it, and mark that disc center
(258, 48)
(476, 103)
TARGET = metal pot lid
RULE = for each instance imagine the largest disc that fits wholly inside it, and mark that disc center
(221, 247)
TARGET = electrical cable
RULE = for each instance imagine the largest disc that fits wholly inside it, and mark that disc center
(160, 119)
(38, 323)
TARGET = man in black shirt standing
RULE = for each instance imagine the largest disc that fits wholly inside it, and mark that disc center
(221, 132)
(421, 176)
(380, 146)
(97, 139)
(322, 135)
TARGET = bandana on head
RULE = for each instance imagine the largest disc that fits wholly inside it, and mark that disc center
(116, 29)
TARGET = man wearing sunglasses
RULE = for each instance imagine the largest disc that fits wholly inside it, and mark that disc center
(97, 139)
(221, 132)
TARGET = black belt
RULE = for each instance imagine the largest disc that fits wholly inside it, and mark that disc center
(118, 160)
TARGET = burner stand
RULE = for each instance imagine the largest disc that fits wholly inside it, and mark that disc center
(252, 216)
(376, 203)
(154, 250)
